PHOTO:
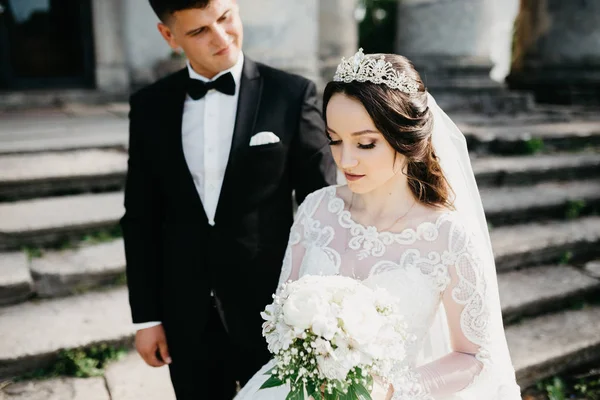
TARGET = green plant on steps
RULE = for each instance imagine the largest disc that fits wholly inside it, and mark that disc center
(80, 363)
(566, 258)
(32, 252)
(103, 235)
(534, 145)
(589, 386)
(556, 389)
(577, 387)
(574, 208)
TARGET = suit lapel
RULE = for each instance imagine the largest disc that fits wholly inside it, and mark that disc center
(247, 112)
(174, 98)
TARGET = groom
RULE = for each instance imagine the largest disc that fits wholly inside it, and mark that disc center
(215, 152)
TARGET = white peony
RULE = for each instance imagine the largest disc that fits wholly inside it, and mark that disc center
(302, 305)
(360, 318)
(325, 325)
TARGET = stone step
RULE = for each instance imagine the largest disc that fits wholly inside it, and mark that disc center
(554, 344)
(26, 100)
(16, 284)
(126, 379)
(540, 114)
(35, 175)
(536, 243)
(509, 205)
(592, 268)
(57, 389)
(51, 221)
(539, 290)
(488, 99)
(56, 132)
(515, 139)
(526, 170)
(25, 176)
(132, 379)
(34, 333)
(60, 273)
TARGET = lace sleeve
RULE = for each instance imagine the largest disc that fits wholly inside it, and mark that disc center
(294, 253)
(465, 301)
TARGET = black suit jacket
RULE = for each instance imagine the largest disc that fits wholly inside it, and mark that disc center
(174, 257)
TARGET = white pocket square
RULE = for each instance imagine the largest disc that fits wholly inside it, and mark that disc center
(262, 138)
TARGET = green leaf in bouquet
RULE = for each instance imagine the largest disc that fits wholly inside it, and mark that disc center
(340, 386)
(317, 395)
(360, 392)
(297, 393)
(270, 371)
(314, 390)
(273, 381)
(334, 395)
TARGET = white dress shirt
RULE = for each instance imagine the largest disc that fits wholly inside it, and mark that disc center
(206, 134)
(207, 130)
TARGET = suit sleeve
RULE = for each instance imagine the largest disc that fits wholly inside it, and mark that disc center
(312, 165)
(141, 224)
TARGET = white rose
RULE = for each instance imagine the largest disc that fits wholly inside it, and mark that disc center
(301, 307)
(361, 320)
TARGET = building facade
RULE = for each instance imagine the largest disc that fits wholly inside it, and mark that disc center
(112, 46)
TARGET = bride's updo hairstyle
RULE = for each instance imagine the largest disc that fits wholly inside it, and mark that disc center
(406, 122)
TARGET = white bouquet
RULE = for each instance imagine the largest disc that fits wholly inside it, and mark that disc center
(330, 335)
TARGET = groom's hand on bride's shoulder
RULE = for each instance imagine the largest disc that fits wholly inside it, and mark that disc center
(151, 344)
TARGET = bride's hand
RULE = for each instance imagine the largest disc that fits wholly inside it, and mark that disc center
(381, 390)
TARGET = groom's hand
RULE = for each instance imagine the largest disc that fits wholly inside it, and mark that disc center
(151, 343)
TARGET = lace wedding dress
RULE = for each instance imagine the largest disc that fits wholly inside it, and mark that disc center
(435, 270)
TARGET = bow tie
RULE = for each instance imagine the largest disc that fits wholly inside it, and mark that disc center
(197, 89)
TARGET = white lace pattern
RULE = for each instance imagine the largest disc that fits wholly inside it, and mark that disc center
(431, 263)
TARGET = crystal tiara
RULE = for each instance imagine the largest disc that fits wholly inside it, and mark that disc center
(362, 68)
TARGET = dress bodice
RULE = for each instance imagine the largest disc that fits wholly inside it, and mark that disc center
(433, 267)
(411, 264)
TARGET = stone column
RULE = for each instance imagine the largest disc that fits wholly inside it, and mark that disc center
(557, 52)
(338, 34)
(145, 47)
(283, 34)
(442, 36)
(112, 74)
(450, 42)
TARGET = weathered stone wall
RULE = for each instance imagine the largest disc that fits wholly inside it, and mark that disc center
(111, 61)
(446, 28)
(338, 34)
(280, 33)
(558, 50)
(283, 33)
(144, 44)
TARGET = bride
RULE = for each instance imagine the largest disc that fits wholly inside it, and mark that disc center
(409, 220)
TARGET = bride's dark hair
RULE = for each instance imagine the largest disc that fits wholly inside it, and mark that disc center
(406, 122)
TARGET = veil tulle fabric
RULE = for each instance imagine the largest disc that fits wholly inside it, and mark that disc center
(496, 381)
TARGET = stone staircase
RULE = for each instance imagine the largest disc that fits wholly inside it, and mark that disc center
(61, 179)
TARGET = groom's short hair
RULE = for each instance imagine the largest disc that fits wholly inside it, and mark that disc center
(165, 8)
